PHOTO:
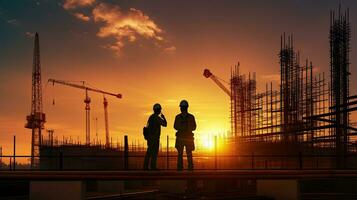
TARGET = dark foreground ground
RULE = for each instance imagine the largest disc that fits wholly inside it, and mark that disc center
(311, 184)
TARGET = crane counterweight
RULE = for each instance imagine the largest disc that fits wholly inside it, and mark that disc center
(208, 74)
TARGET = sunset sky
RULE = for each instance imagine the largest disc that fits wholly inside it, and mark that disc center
(151, 51)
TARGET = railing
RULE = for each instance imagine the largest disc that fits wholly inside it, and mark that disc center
(167, 161)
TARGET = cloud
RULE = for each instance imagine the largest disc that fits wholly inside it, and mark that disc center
(14, 22)
(170, 50)
(72, 4)
(81, 16)
(124, 26)
(29, 34)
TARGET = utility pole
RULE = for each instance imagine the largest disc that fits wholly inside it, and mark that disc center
(14, 155)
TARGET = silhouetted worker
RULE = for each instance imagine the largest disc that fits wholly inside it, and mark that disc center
(185, 124)
(155, 121)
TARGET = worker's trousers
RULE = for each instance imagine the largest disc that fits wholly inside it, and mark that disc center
(180, 158)
(188, 143)
(151, 153)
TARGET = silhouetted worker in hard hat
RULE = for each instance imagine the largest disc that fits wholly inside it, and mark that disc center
(152, 135)
(185, 124)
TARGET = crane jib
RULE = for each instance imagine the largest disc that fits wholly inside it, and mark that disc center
(83, 87)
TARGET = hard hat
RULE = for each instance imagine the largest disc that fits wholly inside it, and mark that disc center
(183, 103)
(157, 106)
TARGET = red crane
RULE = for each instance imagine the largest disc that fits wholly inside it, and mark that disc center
(87, 101)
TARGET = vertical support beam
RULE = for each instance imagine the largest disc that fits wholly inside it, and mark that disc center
(14, 156)
(167, 153)
(215, 152)
(126, 153)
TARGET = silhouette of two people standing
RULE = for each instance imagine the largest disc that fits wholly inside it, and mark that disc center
(184, 124)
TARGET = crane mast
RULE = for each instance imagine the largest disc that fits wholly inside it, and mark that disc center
(36, 119)
(87, 108)
(105, 103)
(87, 102)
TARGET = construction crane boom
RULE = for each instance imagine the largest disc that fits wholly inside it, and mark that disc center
(83, 87)
(87, 106)
(208, 74)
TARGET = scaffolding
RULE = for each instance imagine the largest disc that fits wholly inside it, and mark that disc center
(339, 61)
(306, 110)
(243, 93)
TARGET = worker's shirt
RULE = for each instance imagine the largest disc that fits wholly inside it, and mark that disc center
(154, 124)
(185, 125)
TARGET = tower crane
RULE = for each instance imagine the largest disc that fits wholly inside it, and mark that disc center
(87, 101)
(37, 118)
(208, 74)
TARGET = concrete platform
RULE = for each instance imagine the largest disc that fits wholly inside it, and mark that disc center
(176, 175)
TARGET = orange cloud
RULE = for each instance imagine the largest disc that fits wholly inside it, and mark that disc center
(71, 4)
(124, 25)
(170, 50)
(81, 16)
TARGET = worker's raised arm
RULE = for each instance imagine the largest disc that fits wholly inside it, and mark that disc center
(162, 120)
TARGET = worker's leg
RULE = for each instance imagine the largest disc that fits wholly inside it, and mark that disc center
(180, 159)
(190, 146)
(189, 158)
(179, 147)
(155, 151)
(147, 155)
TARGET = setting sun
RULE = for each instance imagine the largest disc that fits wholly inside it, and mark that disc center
(207, 142)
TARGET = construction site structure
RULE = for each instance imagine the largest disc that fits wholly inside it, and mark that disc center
(87, 101)
(339, 61)
(307, 113)
(36, 119)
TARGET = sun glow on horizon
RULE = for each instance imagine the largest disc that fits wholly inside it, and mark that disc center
(210, 140)
(207, 143)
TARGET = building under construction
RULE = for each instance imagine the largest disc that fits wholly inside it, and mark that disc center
(307, 113)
